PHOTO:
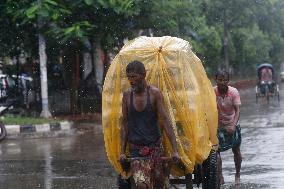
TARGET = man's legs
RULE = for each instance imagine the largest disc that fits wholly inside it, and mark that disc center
(238, 162)
(141, 171)
(219, 162)
(161, 174)
(141, 185)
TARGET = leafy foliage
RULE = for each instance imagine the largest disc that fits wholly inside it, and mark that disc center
(255, 28)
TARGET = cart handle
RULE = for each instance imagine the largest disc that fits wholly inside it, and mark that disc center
(164, 159)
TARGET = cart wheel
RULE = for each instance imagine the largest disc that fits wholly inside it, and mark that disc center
(266, 94)
(123, 183)
(256, 94)
(198, 175)
(278, 93)
(267, 98)
(211, 172)
(3, 131)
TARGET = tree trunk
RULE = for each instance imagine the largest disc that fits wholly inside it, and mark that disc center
(18, 72)
(43, 72)
(43, 77)
(226, 43)
(87, 64)
(99, 64)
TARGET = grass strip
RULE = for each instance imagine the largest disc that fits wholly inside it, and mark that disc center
(9, 119)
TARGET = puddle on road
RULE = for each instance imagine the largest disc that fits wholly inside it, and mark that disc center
(246, 186)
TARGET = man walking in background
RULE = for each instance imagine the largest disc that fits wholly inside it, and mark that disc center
(229, 131)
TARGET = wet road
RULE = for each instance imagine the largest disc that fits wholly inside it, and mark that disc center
(75, 163)
(80, 161)
(262, 146)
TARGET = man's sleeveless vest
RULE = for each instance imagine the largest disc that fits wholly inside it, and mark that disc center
(143, 128)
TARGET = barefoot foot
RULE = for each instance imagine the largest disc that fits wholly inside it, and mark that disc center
(237, 178)
(222, 180)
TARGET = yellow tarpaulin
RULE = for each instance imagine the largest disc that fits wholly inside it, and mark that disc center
(189, 97)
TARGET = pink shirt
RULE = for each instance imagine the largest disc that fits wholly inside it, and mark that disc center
(225, 106)
(266, 75)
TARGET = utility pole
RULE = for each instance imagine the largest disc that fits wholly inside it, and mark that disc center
(43, 72)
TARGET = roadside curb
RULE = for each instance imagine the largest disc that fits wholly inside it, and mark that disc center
(56, 129)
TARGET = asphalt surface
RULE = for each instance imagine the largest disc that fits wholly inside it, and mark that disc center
(79, 161)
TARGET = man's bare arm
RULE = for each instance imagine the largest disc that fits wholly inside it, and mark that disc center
(166, 120)
(237, 114)
(232, 129)
(124, 130)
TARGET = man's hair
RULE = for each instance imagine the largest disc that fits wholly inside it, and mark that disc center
(136, 67)
(223, 73)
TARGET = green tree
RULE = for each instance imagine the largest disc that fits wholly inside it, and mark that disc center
(270, 18)
(230, 15)
(70, 23)
(40, 13)
(251, 47)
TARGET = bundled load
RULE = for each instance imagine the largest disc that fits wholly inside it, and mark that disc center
(188, 94)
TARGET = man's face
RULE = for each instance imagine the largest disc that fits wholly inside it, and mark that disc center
(136, 81)
(222, 82)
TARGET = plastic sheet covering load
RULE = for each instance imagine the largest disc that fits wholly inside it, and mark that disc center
(189, 97)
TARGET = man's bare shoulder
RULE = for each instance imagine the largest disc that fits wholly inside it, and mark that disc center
(126, 93)
(154, 90)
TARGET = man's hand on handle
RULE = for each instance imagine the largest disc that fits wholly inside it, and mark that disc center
(231, 129)
(175, 157)
(122, 157)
